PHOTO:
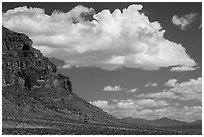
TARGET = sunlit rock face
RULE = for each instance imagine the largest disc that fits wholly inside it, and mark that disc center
(26, 66)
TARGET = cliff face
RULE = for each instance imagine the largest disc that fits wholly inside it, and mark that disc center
(26, 66)
(32, 89)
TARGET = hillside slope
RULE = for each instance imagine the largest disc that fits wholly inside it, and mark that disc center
(33, 89)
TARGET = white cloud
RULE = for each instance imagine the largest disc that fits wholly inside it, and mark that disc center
(185, 21)
(128, 104)
(151, 84)
(185, 113)
(118, 88)
(183, 68)
(103, 104)
(189, 90)
(118, 105)
(145, 108)
(112, 40)
(110, 88)
(141, 103)
(132, 90)
(191, 86)
(163, 94)
(188, 114)
(171, 82)
(152, 103)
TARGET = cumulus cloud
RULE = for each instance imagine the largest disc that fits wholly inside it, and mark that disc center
(163, 94)
(118, 104)
(152, 103)
(141, 109)
(144, 102)
(103, 104)
(184, 21)
(111, 40)
(110, 88)
(188, 90)
(128, 104)
(171, 82)
(194, 85)
(132, 90)
(151, 84)
(185, 113)
(144, 113)
(183, 68)
(118, 88)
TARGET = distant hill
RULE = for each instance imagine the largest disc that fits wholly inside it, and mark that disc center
(166, 123)
(198, 122)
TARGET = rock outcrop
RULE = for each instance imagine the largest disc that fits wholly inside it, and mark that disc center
(22, 62)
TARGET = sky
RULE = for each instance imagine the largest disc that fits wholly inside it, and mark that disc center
(140, 60)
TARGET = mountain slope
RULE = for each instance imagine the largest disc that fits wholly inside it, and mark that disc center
(32, 89)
